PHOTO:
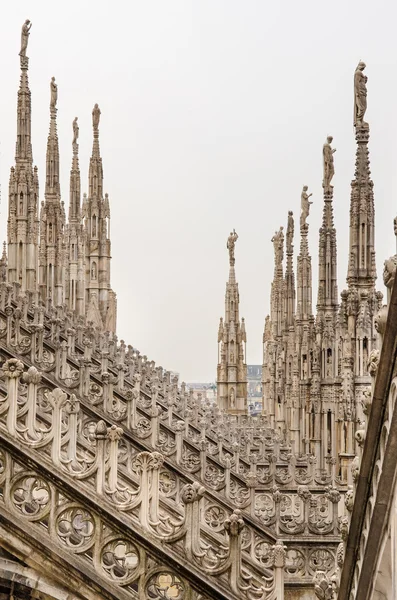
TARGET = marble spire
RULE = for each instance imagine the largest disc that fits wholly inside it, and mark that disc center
(100, 298)
(75, 181)
(290, 293)
(52, 216)
(232, 338)
(327, 296)
(75, 236)
(362, 268)
(23, 224)
(304, 271)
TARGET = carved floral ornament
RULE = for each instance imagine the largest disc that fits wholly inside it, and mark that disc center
(77, 529)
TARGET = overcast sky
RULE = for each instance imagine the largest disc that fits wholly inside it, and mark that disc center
(214, 113)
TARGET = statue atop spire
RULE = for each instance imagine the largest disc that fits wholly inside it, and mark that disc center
(96, 115)
(360, 96)
(328, 164)
(75, 132)
(278, 243)
(54, 93)
(25, 38)
(290, 231)
(232, 368)
(231, 242)
(305, 205)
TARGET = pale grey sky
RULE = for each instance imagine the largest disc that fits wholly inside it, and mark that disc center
(214, 113)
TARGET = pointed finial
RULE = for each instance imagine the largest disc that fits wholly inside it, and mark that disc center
(4, 256)
(360, 96)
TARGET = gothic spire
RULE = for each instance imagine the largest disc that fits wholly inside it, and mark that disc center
(52, 188)
(361, 269)
(75, 184)
(100, 299)
(23, 152)
(95, 170)
(52, 216)
(232, 368)
(304, 266)
(22, 224)
(289, 274)
(327, 279)
(278, 284)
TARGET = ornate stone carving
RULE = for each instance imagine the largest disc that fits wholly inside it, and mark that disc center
(231, 242)
(328, 163)
(54, 93)
(25, 37)
(360, 96)
(305, 205)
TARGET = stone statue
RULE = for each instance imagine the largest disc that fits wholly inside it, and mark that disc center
(25, 37)
(328, 163)
(54, 93)
(305, 205)
(231, 242)
(290, 230)
(360, 96)
(232, 399)
(278, 243)
(96, 115)
(75, 131)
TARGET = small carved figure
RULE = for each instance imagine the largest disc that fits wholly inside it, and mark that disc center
(232, 399)
(360, 95)
(328, 163)
(305, 205)
(25, 37)
(54, 93)
(75, 131)
(96, 115)
(93, 271)
(290, 231)
(231, 242)
(278, 243)
(373, 362)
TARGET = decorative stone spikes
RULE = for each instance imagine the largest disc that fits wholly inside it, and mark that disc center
(232, 368)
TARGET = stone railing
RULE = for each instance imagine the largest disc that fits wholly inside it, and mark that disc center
(241, 462)
(58, 434)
